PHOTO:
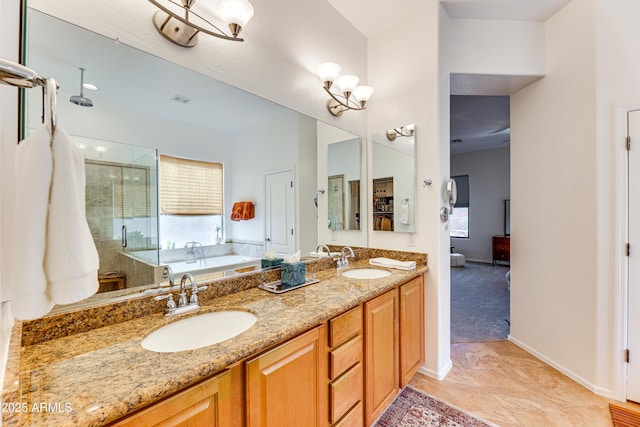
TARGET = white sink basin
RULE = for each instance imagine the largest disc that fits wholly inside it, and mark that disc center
(198, 331)
(366, 273)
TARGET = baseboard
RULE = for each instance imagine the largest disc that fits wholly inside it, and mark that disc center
(577, 378)
(440, 375)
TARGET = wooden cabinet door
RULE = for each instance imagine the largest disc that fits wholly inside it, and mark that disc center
(208, 404)
(381, 354)
(411, 329)
(284, 386)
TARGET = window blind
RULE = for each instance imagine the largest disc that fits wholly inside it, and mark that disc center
(190, 187)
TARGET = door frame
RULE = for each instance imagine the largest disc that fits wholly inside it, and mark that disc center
(621, 300)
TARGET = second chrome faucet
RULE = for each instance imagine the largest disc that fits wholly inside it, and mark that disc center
(183, 306)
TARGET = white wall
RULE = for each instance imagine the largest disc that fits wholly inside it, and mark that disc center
(496, 47)
(567, 122)
(410, 93)
(554, 248)
(287, 140)
(616, 84)
(489, 182)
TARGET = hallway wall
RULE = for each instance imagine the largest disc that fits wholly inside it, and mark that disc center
(489, 187)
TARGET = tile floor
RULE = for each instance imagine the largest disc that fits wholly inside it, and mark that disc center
(504, 384)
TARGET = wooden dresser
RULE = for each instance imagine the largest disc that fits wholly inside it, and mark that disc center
(501, 248)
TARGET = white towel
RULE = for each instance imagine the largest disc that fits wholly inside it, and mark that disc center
(322, 254)
(71, 260)
(403, 212)
(28, 284)
(392, 263)
(55, 261)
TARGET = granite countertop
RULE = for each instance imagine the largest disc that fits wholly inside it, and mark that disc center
(96, 377)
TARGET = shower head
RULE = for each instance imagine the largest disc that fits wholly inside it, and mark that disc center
(81, 100)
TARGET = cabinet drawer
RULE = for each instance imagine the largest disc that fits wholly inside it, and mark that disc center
(345, 392)
(345, 326)
(344, 357)
(353, 419)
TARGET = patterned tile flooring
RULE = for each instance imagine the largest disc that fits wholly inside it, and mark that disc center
(504, 384)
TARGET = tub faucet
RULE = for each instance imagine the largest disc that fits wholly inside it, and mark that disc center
(193, 248)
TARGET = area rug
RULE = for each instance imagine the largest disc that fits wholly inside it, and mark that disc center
(414, 408)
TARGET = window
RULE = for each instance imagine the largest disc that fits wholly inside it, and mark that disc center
(459, 220)
(191, 202)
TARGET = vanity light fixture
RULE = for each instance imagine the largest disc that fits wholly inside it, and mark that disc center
(180, 23)
(349, 96)
(394, 133)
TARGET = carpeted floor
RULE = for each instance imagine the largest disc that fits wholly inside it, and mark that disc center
(415, 408)
(479, 303)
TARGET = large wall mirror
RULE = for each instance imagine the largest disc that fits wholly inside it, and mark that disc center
(342, 207)
(393, 180)
(145, 107)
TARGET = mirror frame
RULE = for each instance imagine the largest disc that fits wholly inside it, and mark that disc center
(383, 140)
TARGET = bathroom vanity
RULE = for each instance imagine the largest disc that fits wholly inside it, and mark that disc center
(333, 353)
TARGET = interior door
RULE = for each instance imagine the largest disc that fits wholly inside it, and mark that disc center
(633, 331)
(279, 216)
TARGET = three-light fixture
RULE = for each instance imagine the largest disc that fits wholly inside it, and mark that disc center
(350, 95)
(180, 22)
(394, 133)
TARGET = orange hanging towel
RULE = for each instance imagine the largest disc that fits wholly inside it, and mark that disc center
(248, 211)
(242, 211)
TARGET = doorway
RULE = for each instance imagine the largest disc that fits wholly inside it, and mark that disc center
(480, 164)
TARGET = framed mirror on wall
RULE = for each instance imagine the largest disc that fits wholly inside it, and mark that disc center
(186, 119)
(341, 198)
(393, 179)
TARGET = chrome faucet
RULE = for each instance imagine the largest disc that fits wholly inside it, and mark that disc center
(323, 247)
(193, 250)
(183, 306)
(343, 260)
(167, 274)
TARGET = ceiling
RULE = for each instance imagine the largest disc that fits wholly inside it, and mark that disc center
(372, 17)
(135, 80)
(480, 122)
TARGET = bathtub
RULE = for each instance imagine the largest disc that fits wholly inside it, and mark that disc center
(223, 263)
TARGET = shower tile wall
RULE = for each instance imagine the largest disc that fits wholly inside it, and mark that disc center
(101, 181)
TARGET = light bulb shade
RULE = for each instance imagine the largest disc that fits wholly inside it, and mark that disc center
(235, 12)
(328, 71)
(363, 93)
(347, 83)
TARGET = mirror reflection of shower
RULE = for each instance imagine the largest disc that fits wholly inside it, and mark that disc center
(81, 100)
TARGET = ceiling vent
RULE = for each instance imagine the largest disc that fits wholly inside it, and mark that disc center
(181, 99)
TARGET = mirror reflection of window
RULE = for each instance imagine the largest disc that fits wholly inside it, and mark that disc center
(191, 200)
(459, 219)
